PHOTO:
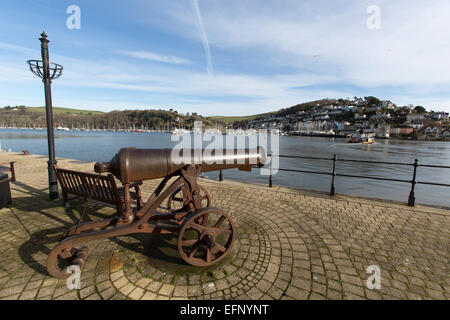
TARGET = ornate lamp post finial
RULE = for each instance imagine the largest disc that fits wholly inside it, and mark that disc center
(48, 71)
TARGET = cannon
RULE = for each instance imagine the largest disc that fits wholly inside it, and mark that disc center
(205, 234)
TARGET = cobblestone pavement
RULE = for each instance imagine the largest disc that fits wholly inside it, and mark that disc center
(289, 246)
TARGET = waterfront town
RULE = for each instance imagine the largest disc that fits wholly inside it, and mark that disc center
(343, 117)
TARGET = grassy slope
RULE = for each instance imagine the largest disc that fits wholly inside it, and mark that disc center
(225, 119)
(59, 110)
(232, 119)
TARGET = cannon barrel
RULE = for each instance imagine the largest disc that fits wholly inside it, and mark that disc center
(131, 164)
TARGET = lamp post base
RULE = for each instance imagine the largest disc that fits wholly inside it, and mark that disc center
(52, 181)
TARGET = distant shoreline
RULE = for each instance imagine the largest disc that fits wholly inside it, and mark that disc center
(339, 136)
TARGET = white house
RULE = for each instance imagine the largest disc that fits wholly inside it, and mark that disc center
(432, 130)
(416, 125)
(415, 117)
(380, 116)
(439, 115)
(388, 104)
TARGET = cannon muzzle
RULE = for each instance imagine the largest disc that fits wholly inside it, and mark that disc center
(131, 164)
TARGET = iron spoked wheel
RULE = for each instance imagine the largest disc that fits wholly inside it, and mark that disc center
(61, 257)
(178, 198)
(206, 237)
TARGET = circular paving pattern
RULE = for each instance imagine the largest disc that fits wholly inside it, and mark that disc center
(278, 253)
(288, 246)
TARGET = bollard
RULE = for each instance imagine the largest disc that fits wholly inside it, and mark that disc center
(270, 176)
(332, 190)
(412, 199)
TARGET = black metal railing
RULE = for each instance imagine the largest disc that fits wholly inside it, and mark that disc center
(334, 174)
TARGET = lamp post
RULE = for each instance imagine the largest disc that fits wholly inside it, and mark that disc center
(48, 71)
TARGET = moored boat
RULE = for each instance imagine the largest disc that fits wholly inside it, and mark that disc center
(364, 138)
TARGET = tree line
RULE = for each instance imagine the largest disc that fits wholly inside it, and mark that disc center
(21, 116)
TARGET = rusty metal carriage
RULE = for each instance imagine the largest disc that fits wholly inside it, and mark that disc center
(205, 235)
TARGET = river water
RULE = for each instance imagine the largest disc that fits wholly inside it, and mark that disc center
(102, 146)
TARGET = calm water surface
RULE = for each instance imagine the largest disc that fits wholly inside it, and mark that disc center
(102, 146)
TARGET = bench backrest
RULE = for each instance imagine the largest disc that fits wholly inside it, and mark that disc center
(81, 183)
(5, 169)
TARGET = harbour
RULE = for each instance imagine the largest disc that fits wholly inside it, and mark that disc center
(102, 145)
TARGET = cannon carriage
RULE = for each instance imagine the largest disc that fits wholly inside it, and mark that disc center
(205, 234)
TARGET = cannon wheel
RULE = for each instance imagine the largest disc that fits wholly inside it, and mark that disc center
(178, 198)
(206, 237)
(61, 258)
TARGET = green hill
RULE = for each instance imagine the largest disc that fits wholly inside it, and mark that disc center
(232, 119)
(59, 110)
(22, 116)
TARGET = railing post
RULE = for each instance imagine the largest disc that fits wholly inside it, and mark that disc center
(270, 176)
(412, 198)
(220, 176)
(332, 176)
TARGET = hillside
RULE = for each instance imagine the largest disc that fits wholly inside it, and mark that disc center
(239, 120)
(60, 110)
(22, 116)
(308, 105)
(231, 119)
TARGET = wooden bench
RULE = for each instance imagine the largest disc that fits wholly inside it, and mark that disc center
(80, 184)
(5, 169)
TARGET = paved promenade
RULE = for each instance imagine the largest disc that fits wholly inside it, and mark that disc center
(289, 246)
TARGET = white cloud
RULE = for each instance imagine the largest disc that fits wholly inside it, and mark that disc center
(13, 47)
(321, 48)
(147, 55)
(205, 42)
(189, 91)
(331, 37)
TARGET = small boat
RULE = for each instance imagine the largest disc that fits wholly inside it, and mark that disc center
(368, 140)
(364, 138)
(181, 131)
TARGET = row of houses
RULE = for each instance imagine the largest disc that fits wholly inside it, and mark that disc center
(384, 119)
(433, 116)
(437, 132)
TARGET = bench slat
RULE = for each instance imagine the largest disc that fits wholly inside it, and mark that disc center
(68, 181)
(81, 186)
(106, 189)
(102, 190)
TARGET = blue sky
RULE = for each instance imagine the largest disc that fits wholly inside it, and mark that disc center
(227, 57)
